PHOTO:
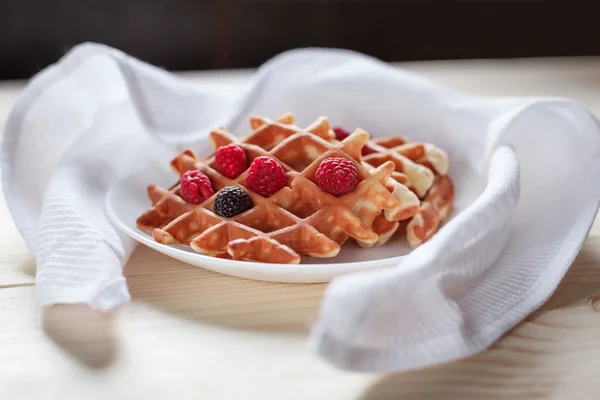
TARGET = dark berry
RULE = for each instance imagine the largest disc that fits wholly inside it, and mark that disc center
(232, 201)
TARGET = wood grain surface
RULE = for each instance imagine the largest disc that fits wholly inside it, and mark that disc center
(195, 334)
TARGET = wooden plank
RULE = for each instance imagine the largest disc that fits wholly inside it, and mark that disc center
(163, 354)
(181, 289)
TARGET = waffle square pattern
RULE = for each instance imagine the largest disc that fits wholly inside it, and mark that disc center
(400, 184)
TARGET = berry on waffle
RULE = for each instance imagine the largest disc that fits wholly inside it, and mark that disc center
(298, 220)
(286, 214)
(423, 167)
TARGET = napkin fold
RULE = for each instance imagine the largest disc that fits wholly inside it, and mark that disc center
(523, 170)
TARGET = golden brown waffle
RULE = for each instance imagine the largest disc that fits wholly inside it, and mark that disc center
(384, 224)
(434, 209)
(300, 219)
(423, 167)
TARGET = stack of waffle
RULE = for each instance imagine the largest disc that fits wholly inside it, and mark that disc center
(401, 187)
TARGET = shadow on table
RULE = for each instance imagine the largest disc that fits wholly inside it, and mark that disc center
(208, 297)
(87, 335)
(478, 377)
(27, 265)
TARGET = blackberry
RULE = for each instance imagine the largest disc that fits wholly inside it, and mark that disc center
(231, 201)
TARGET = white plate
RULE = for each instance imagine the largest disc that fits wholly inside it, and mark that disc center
(127, 199)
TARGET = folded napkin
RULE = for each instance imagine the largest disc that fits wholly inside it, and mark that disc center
(524, 169)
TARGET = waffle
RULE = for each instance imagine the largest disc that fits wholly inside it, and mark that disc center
(300, 219)
(384, 224)
(434, 210)
(423, 167)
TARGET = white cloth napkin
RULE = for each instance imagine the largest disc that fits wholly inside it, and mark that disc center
(526, 173)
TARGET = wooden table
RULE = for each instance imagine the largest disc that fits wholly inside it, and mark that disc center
(191, 334)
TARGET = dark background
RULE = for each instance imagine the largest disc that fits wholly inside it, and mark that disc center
(208, 34)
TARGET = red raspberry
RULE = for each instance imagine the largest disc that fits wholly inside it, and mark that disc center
(340, 133)
(265, 176)
(366, 150)
(195, 187)
(337, 175)
(231, 160)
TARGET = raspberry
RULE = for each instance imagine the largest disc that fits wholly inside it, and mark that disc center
(337, 175)
(195, 187)
(366, 150)
(231, 201)
(265, 176)
(341, 134)
(231, 160)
